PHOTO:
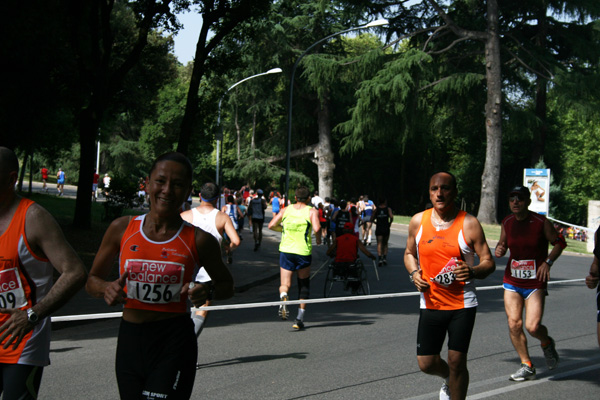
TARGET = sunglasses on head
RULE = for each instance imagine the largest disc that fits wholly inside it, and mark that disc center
(516, 197)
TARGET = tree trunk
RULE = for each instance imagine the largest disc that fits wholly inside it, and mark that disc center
(88, 130)
(325, 163)
(539, 142)
(239, 134)
(30, 172)
(191, 106)
(493, 120)
(22, 173)
(253, 142)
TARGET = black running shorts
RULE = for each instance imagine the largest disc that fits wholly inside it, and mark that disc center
(598, 302)
(19, 381)
(433, 325)
(157, 359)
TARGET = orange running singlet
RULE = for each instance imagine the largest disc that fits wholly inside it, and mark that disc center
(435, 249)
(157, 270)
(24, 280)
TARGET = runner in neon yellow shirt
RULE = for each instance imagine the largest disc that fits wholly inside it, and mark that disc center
(296, 224)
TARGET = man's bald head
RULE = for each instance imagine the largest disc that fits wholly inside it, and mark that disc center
(8, 161)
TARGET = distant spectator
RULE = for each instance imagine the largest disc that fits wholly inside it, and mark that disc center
(45, 178)
(95, 180)
(60, 181)
(315, 200)
(106, 182)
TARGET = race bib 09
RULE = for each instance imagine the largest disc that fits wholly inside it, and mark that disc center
(523, 269)
(154, 282)
(12, 294)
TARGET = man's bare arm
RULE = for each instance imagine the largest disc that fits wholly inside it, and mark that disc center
(234, 239)
(210, 254)
(501, 247)
(476, 239)
(316, 224)
(47, 239)
(411, 258)
(275, 223)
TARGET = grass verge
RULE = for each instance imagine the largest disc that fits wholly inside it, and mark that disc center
(84, 241)
(492, 232)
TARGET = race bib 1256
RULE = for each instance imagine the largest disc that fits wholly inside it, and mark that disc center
(154, 282)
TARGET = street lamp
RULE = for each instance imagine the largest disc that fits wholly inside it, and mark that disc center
(378, 22)
(220, 133)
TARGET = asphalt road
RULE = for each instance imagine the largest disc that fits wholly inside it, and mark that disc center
(351, 350)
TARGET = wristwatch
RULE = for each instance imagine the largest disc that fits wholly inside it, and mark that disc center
(32, 317)
(411, 275)
(549, 261)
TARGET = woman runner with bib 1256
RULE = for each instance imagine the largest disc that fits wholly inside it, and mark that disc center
(158, 256)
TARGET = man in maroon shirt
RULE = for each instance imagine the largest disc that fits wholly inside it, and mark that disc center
(345, 249)
(527, 234)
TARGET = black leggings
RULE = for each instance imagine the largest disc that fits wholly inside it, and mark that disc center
(19, 381)
(433, 325)
(157, 360)
(257, 226)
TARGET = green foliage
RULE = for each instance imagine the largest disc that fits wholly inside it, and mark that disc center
(581, 165)
(68, 160)
(398, 113)
(123, 158)
(385, 102)
(122, 194)
(160, 131)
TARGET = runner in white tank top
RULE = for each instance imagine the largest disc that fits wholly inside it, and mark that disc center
(208, 218)
(207, 222)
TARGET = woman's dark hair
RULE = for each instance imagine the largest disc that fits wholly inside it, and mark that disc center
(178, 158)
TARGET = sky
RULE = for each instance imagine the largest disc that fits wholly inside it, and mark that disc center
(186, 39)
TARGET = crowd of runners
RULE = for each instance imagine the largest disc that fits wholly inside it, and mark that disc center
(171, 258)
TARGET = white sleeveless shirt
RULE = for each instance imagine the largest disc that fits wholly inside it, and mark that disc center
(206, 222)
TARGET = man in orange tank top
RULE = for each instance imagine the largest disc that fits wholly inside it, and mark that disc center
(32, 245)
(439, 258)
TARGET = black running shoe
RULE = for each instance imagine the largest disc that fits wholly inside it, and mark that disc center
(298, 325)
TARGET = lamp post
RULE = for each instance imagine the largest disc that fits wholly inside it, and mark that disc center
(220, 133)
(378, 22)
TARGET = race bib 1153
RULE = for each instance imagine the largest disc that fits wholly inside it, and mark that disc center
(523, 269)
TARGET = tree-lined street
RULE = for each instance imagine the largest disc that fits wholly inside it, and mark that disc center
(359, 97)
(358, 349)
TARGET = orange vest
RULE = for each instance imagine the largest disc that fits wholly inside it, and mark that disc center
(24, 280)
(435, 249)
(157, 270)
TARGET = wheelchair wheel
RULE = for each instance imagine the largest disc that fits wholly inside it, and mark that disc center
(329, 281)
(363, 288)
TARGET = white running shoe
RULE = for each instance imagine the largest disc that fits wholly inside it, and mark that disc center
(525, 373)
(445, 392)
(283, 311)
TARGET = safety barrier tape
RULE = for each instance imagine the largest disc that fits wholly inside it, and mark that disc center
(84, 317)
(573, 225)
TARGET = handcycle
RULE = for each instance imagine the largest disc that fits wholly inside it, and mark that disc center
(352, 275)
